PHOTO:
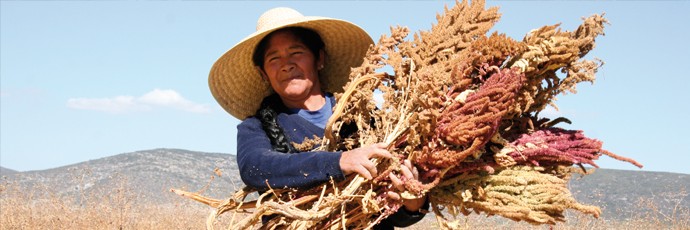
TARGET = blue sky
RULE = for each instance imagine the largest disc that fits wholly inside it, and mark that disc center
(84, 80)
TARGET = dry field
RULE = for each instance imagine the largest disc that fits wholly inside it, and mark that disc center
(121, 208)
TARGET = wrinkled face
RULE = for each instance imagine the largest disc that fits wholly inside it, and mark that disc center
(290, 67)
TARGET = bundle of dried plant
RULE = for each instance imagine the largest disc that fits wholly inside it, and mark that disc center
(538, 195)
(463, 106)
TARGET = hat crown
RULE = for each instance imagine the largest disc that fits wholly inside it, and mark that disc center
(273, 17)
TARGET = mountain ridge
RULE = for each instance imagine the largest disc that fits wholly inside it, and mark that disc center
(4, 171)
(148, 173)
(148, 176)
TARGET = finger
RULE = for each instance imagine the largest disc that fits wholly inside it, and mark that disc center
(382, 153)
(397, 182)
(393, 195)
(370, 167)
(414, 173)
(362, 171)
(381, 145)
(406, 172)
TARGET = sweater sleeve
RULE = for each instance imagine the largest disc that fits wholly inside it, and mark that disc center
(260, 166)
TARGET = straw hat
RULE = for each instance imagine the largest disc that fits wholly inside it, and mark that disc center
(237, 85)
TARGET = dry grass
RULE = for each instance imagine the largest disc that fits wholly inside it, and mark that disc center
(117, 208)
(648, 214)
(121, 208)
(575, 221)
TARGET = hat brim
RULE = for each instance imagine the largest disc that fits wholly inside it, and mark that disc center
(237, 85)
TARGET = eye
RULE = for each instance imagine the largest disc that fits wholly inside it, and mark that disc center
(271, 58)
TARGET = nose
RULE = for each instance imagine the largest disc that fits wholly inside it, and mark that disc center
(288, 65)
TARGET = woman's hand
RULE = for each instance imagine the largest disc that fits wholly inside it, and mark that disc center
(408, 172)
(358, 160)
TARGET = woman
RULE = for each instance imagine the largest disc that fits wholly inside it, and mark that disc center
(291, 64)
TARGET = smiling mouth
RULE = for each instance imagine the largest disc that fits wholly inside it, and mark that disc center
(292, 77)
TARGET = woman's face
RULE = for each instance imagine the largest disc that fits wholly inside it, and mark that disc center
(291, 68)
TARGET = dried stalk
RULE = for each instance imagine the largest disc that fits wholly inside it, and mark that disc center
(463, 106)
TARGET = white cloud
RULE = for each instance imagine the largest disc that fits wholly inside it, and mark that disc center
(170, 98)
(115, 105)
(157, 98)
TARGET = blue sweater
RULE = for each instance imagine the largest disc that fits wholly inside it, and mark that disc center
(261, 166)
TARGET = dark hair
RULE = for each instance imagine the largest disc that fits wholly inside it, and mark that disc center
(308, 37)
(269, 122)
